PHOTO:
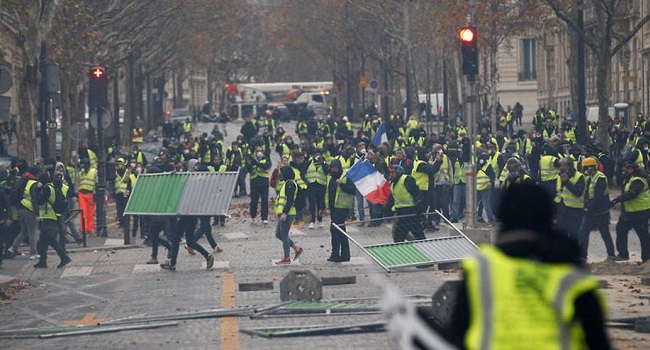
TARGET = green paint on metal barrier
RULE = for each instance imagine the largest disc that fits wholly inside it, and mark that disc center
(398, 254)
(158, 194)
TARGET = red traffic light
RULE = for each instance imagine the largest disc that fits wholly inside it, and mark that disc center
(98, 72)
(467, 34)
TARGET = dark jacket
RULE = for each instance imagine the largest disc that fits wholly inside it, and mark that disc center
(599, 204)
(347, 187)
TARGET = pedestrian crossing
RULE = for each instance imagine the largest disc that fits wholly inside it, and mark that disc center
(77, 271)
(234, 235)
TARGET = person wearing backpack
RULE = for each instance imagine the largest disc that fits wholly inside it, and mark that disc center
(48, 224)
(24, 197)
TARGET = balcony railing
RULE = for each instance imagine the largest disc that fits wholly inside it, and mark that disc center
(528, 76)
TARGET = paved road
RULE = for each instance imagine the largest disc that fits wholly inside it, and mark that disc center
(102, 285)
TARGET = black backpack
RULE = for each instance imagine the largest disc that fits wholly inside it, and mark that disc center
(17, 191)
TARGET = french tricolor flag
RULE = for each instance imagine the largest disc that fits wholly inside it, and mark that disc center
(380, 137)
(370, 183)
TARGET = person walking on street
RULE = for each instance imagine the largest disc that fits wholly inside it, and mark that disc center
(87, 182)
(316, 182)
(285, 209)
(634, 213)
(27, 212)
(569, 197)
(339, 199)
(596, 208)
(403, 200)
(48, 224)
(528, 290)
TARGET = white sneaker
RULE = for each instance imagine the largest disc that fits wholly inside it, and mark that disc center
(253, 221)
(311, 225)
(265, 222)
(321, 224)
(34, 257)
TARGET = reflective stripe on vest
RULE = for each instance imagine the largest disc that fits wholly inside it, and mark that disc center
(27, 195)
(87, 180)
(45, 211)
(517, 303)
(421, 179)
(135, 138)
(642, 201)
(342, 199)
(401, 196)
(482, 179)
(316, 174)
(281, 201)
(564, 195)
(120, 185)
(592, 184)
(259, 171)
(298, 179)
(547, 168)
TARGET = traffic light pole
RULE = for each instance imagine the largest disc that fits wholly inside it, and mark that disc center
(100, 188)
(470, 167)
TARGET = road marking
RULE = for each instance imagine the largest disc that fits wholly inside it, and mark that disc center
(146, 268)
(113, 242)
(229, 325)
(293, 263)
(88, 320)
(76, 271)
(234, 235)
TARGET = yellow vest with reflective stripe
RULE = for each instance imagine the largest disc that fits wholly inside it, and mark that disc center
(460, 177)
(547, 168)
(523, 304)
(298, 179)
(64, 190)
(316, 174)
(401, 196)
(260, 172)
(342, 199)
(345, 164)
(281, 201)
(482, 179)
(222, 168)
(187, 127)
(45, 211)
(642, 201)
(137, 139)
(592, 184)
(87, 180)
(564, 195)
(120, 185)
(421, 179)
(27, 195)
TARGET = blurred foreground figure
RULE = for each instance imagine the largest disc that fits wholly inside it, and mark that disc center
(528, 291)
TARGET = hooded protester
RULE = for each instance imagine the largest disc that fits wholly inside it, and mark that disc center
(286, 210)
(48, 224)
(339, 199)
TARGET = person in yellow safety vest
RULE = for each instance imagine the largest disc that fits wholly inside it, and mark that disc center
(528, 291)
(569, 133)
(27, 211)
(87, 182)
(121, 195)
(514, 174)
(217, 165)
(569, 197)
(348, 124)
(48, 225)
(640, 154)
(399, 143)
(524, 144)
(316, 182)
(85, 152)
(276, 182)
(137, 154)
(258, 166)
(137, 136)
(284, 147)
(460, 180)
(339, 196)
(188, 127)
(635, 211)
(130, 178)
(286, 211)
(64, 191)
(235, 160)
(347, 158)
(412, 124)
(301, 128)
(485, 178)
(548, 169)
(403, 200)
(441, 187)
(366, 125)
(597, 206)
(298, 165)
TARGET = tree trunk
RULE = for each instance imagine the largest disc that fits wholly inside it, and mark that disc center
(493, 89)
(27, 99)
(602, 90)
(66, 123)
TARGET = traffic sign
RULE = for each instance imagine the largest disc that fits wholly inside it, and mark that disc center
(363, 83)
(106, 118)
(374, 84)
(5, 80)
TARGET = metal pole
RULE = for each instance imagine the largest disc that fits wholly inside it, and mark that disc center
(581, 108)
(116, 109)
(470, 167)
(100, 189)
(445, 99)
(429, 126)
(43, 102)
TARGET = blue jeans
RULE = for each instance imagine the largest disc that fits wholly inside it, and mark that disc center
(205, 229)
(485, 196)
(359, 198)
(458, 201)
(282, 233)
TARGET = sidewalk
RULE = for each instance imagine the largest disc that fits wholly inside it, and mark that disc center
(115, 241)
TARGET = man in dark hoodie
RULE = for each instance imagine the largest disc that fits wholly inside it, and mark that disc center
(339, 199)
(286, 211)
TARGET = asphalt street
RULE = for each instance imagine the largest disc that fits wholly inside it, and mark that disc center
(102, 285)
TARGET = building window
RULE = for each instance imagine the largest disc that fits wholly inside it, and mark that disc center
(528, 66)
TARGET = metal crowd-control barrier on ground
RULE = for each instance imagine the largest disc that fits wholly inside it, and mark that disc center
(391, 256)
